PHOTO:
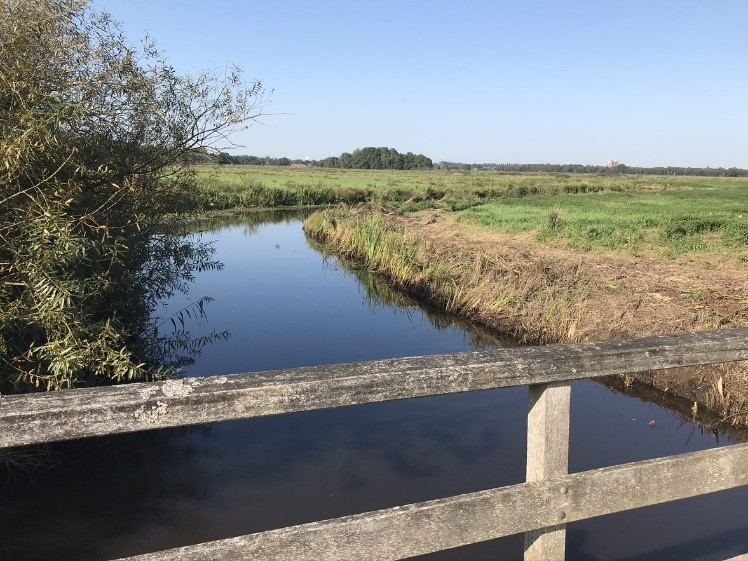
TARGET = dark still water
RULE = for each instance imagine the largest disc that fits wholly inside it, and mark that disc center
(285, 305)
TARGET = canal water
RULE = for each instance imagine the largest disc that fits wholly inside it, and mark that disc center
(284, 305)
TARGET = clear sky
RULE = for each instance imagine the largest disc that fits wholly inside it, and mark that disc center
(650, 82)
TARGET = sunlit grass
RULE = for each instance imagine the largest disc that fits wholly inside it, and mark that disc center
(674, 220)
(670, 214)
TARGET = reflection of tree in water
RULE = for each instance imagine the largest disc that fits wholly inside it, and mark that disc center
(168, 266)
(169, 341)
(178, 347)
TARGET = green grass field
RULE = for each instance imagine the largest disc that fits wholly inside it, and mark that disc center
(710, 217)
(669, 214)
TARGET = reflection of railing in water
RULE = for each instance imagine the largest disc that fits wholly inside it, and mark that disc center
(540, 508)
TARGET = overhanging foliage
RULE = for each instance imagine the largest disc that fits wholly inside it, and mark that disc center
(93, 133)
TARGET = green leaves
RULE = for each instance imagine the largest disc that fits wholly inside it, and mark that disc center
(93, 133)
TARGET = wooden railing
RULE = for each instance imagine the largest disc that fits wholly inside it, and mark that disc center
(539, 508)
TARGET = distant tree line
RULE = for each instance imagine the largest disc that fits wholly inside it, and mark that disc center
(363, 158)
(377, 158)
(389, 158)
(203, 156)
(579, 168)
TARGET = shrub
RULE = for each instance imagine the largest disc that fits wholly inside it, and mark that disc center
(93, 143)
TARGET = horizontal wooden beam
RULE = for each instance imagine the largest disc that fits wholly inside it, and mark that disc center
(417, 529)
(70, 414)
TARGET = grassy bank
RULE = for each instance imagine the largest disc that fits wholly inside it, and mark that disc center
(535, 293)
(531, 305)
(387, 251)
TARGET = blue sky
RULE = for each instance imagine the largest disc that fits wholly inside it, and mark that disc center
(643, 82)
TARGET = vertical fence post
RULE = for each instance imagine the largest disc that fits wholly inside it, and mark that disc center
(548, 456)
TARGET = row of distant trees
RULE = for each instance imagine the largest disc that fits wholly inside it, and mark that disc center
(389, 158)
(204, 156)
(362, 158)
(579, 168)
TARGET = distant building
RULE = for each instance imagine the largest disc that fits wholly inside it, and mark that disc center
(612, 164)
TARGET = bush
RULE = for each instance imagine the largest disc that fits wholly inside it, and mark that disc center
(93, 139)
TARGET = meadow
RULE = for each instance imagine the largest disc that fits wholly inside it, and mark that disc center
(674, 219)
(671, 215)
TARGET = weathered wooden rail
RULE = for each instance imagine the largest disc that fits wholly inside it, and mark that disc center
(539, 508)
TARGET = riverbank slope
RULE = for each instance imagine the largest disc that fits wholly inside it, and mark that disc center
(546, 292)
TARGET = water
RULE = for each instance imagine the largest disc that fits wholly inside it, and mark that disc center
(285, 306)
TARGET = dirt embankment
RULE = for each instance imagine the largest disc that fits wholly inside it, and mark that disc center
(590, 296)
(539, 293)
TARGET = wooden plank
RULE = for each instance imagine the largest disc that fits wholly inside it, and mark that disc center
(416, 529)
(743, 557)
(547, 458)
(64, 415)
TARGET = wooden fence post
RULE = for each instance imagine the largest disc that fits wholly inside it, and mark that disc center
(548, 456)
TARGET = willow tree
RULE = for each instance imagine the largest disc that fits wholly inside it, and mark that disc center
(93, 139)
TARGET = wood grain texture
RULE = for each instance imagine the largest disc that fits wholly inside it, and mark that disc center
(65, 415)
(548, 457)
(416, 529)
